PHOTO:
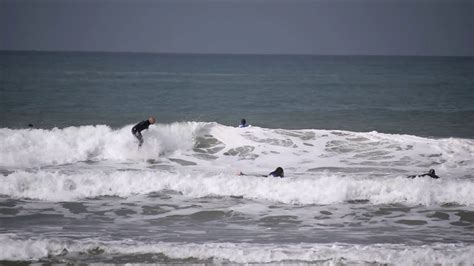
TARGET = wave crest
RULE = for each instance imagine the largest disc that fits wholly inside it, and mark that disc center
(40, 147)
(325, 189)
(320, 254)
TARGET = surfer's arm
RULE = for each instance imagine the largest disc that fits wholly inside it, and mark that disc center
(244, 174)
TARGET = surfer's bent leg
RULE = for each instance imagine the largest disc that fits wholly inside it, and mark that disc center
(138, 135)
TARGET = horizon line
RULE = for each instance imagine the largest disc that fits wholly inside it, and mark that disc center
(223, 53)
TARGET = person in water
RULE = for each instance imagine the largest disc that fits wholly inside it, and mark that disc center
(138, 128)
(431, 173)
(243, 123)
(277, 173)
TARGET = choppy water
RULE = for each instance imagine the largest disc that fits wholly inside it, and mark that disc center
(84, 193)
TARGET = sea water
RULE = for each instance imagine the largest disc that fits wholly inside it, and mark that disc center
(74, 187)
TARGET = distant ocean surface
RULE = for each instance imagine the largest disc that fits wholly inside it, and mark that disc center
(347, 130)
(423, 96)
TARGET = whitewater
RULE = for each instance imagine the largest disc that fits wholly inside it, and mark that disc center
(88, 193)
(201, 159)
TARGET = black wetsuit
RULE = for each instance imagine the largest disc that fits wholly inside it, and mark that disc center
(431, 175)
(427, 174)
(277, 173)
(138, 128)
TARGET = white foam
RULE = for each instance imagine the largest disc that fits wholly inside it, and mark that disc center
(325, 189)
(301, 149)
(40, 147)
(326, 254)
(326, 166)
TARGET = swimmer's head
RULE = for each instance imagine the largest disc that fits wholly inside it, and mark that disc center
(278, 172)
(152, 120)
(431, 172)
(243, 122)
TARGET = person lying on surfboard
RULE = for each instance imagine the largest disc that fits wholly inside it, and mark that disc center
(138, 128)
(431, 173)
(277, 173)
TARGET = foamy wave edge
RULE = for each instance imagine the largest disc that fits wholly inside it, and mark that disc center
(323, 189)
(325, 254)
(24, 148)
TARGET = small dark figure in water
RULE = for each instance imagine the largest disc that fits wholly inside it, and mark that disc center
(30, 125)
(138, 128)
(243, 123)
(431, 173)
(277, 173)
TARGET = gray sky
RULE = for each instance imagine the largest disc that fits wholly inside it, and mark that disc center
(380, 27)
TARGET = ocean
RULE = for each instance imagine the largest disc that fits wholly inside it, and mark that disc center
(347, 130)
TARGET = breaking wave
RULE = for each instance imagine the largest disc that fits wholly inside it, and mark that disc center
(324, 189)
(320, 254)
(201, 159)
